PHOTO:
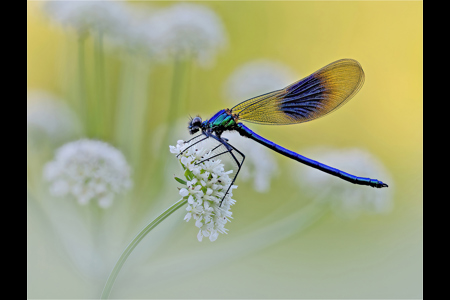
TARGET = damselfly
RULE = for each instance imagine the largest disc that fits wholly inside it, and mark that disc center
(307, 99)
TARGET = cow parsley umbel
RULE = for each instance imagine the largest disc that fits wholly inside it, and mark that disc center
(206, 185)
(187, 30)
(84, 16)
(88, 170)
(49, 120)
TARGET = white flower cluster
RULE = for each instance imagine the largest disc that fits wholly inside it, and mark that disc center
(137, 35)
(88, 170)
(181, 30)
(49, 120)
(260, 165)
(187, 30)
(256, 78)
(102, 16)
(207, 183)
(346, 199)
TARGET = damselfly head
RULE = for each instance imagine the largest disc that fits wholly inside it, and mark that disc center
(194, 125)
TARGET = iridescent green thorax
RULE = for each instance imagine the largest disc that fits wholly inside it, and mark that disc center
(221, 121)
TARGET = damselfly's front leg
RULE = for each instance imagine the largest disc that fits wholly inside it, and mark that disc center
(193, 138)
(201, 140)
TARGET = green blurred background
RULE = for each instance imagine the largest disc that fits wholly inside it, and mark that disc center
(373, 256)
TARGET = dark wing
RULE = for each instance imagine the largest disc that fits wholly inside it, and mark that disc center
(307, 99)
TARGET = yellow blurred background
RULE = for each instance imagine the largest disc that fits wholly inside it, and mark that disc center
(373, 256)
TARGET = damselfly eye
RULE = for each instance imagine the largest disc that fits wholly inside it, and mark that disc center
(194, 125)
(197, 121)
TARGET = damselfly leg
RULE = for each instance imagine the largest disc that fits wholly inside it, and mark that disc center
(195, 143)
(193, 138)
(237, 157)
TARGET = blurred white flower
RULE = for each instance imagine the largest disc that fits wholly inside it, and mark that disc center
(88, 170)
(187, 30)
(256, 78)
(207, 183)
(346, 199)
(260, 166)
(49, 119)
(83, 16)
(124, 26)
(136, 34)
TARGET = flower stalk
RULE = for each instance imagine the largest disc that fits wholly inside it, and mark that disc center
(100, 98)
(112, 277)
(82, 108)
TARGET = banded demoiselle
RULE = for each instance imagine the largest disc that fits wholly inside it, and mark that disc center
(308, 99)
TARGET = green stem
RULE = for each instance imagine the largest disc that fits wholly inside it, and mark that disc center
(69, 63)
(139, 110)
(95, 219)
(179, 88)
(83, 111)
(112, 277)
(175, 91)
(125, 102)
(100, 105)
